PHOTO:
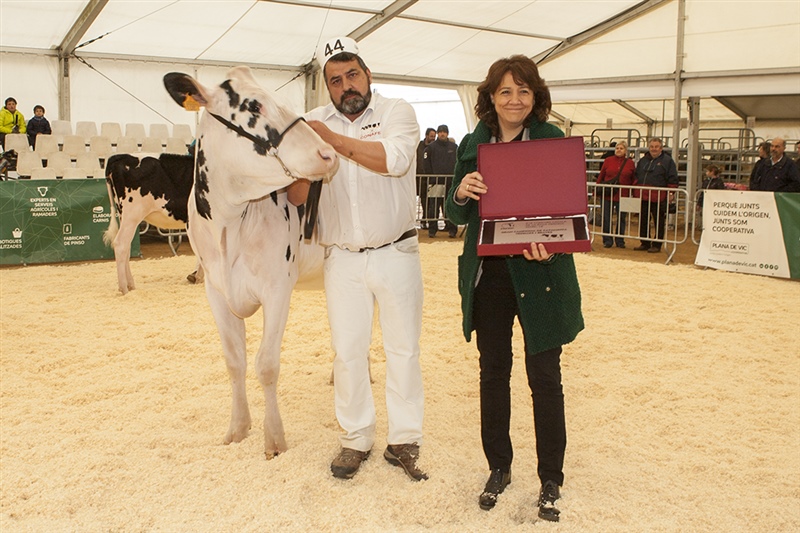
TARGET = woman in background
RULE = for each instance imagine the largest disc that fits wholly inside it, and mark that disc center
(617, 169)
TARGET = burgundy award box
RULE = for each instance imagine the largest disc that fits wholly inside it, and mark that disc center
(536, 193)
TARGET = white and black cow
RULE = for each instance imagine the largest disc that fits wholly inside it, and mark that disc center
(150, 187)
(247, 235)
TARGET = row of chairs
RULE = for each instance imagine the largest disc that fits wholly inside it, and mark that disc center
(75, 145)
(59, 165)
(114, 130)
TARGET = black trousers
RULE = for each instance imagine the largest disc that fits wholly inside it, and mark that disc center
(658, 212)
(495, 307)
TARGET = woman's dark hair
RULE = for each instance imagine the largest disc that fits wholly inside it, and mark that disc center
(524, 71)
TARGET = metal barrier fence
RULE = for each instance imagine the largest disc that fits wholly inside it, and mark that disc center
(431, 192)
(664, 221)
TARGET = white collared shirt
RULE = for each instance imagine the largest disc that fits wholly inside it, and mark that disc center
(360, 208)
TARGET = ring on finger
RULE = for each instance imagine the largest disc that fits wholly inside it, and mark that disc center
(468, 188)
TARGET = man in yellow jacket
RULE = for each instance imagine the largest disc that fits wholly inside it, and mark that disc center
(11, 120)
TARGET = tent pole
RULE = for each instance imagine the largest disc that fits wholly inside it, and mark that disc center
(676, 118)
(64, 97)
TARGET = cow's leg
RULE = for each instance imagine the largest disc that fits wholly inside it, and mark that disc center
(232, 333)
(122, 254)
(276, 313)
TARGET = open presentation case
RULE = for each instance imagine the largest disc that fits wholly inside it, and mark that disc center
(536, 193)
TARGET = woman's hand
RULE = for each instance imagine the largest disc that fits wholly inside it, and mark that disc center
(471, 186)
(537, 253)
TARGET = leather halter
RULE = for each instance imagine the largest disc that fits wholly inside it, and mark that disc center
(270, 145)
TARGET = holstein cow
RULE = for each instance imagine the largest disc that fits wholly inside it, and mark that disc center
(150, 187)
(245, 232)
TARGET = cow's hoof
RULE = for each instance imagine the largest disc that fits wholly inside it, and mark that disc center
(192, 277)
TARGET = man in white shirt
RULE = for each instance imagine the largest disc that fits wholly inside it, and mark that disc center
(368, 226)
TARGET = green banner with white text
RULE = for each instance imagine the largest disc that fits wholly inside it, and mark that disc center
(51, 221)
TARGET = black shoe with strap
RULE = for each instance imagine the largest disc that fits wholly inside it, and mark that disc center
(497, 483)
(548, 495)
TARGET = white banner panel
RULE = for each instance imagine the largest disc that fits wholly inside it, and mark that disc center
(742, 233)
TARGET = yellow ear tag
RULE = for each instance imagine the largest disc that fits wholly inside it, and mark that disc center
(190, 104)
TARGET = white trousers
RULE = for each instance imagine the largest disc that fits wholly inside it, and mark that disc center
(354, 282)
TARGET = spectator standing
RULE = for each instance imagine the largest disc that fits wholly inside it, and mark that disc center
(711, 181)
(655, 169)
(616, 170)
(11, 120)
(368, 227)
(758, 167)
(779, 173)
(440, 159)
(539, 289)
(422, 183)
(37, 124)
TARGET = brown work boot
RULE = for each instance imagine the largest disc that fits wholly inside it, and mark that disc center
(405, 456)
(348, 462)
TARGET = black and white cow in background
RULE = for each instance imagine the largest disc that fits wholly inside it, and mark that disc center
(145, 187)
(248, 237)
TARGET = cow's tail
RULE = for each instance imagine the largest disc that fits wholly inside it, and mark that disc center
(113, 225)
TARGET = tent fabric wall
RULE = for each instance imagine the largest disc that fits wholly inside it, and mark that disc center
(121, 90)
(433, 43)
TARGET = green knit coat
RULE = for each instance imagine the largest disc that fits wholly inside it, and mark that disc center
(548, 294)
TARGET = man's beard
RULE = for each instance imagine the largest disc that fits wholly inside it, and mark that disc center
(353, 106)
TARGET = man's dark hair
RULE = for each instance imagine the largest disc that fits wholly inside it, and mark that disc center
(344, 57)
(10, 99)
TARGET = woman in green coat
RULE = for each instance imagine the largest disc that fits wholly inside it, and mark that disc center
(539, 288)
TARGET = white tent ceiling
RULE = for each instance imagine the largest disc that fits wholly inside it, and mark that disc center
(594, 51)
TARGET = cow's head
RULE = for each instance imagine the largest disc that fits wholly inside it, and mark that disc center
(260, 144)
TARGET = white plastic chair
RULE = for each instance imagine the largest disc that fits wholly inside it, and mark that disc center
(74, 173)
(17, 142)
(101, 146)
(159, 131)
(74, 145)
(112, 130)
(152, 145)
(183, 131)
(43, 174)
(59, 161)
(127, 145)
(46, 143)
(60, 128)
(90, 164)
(135, 130)
(27, 162)
(176, 145)
(86, 129)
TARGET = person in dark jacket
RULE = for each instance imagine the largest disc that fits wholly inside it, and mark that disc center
(779, 173)
(712, 181)
(655, 169)
(422, 182)
(758, 167)
(439, 159)
(539, 288)
(37, 124)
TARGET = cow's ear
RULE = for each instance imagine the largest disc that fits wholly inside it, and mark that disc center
(185, 90)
